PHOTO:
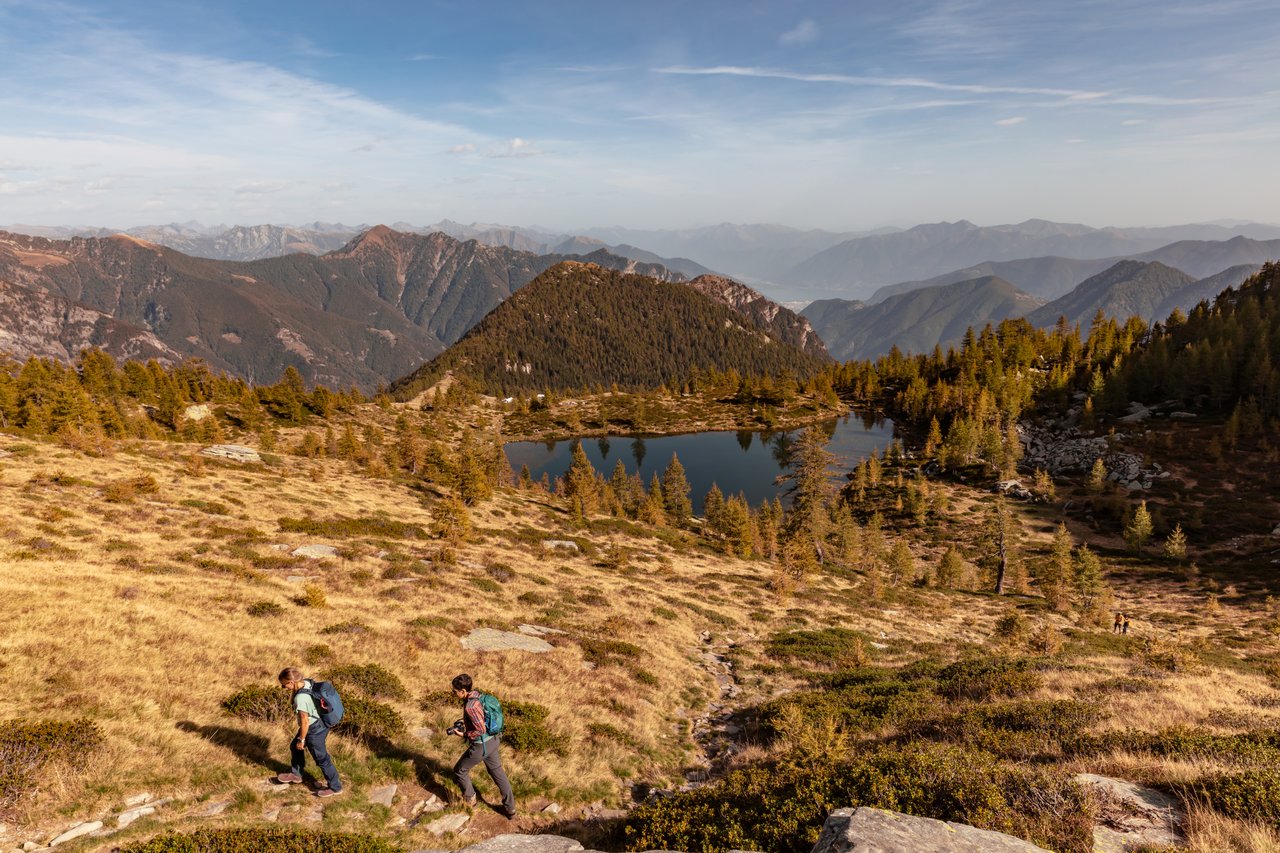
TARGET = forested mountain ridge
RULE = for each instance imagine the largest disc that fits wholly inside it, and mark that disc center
(918, 320)
(579, 325)
(1127, 289)
(371, 311)
(779, 321)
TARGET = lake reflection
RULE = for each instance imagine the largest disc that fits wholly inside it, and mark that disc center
(744, 461)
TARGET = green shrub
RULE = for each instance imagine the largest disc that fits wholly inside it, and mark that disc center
(317, 653)
(255, 702)
(28, 745)
(1020, 730)
(262, 840)
(369, 719)
(604, 651)
(352, 626)
(348, 528)
(989, 678)
(826, 648)
(1251, 796)
(265, 608)
(371, 679)
(525, 729)
(1184, 742)
(782, 808)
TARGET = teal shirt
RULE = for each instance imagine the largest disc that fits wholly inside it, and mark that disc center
(303, 702)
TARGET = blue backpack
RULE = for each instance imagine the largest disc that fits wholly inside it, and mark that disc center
(328, 703)
(492, 714)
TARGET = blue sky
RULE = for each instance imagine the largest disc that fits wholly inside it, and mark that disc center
(840, 115)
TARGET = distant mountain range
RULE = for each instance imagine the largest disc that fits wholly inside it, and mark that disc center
(579, 325)
(919, 319)
(857, 267)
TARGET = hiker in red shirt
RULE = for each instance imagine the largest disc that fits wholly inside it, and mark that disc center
(483, 737)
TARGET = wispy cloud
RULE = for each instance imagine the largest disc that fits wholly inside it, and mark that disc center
(802, 33)
(1010, 122)
(462, 148)
(516, 147)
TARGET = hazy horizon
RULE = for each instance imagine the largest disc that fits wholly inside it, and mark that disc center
(568, 116)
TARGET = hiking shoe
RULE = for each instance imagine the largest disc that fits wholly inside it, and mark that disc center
(469, 802)
(325, 793)
(288, 779)
(510, 815)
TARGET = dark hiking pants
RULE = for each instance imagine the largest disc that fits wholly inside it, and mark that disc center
(315, 744)
(488, 752)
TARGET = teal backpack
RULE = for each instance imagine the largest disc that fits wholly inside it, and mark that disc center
(492, 714)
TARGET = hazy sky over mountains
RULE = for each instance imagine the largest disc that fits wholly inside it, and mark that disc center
(661, 114)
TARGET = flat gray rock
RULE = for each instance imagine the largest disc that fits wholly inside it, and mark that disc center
(448, 823)
(234, 452)
(384, 796)
(867, 830)
(75, 832)
(526, 844)
(560, 545)
(1132, 816)
(315, 552)
(492, 640)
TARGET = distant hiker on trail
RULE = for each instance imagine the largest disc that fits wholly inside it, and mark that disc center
(1115, 628)
(481, 728)
(312, 731)
(1125, 629)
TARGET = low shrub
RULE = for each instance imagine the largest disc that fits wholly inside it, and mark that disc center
(604, 651)
(26, 746)
(989, 678)
(1261, 747)
(256, 702)
(1019, 730)
(372, 679)
(265, 608)
(351, 626)
(827, 648)
(349, 528)
(525, 729)
(1251, 796)
(262, 840)
(317, 653)
(782, 808)
(369, 719)
(125, 490)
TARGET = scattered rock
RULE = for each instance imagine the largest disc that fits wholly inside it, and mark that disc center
(271, 814)
(526, 844)
(80, 829)
(424, 733)
(551, 808)
(384, 796)
(560, 545)
(214, 809)
(1014, 489)
(234, 452)
(137, 800)
(430, 805)
(865, 829)
(296, 579)
(4, 453)
(316, 815)
(1182, 416)
(197, 412)
(127, 817)
(448, 823)
(28, 846)
(1132, 816)
(315, 552)
(493, 640)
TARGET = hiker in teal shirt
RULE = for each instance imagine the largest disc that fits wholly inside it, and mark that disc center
(311, 736)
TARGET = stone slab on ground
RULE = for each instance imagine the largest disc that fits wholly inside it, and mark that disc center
(526, 844)
(448, 823)
(384, 796)
(1132, 816)
(214, 809)
(560, 545)
(137, 800)
(428, 806)
(867, 830)
(234, 452)
(537, 630)
(315, 552)
(127, 817)
(75, 832)
(493, 640)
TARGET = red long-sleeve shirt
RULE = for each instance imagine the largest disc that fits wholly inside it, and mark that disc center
(473, 720)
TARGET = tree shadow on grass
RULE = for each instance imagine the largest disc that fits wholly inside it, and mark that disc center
(253, 748)
(431, 774)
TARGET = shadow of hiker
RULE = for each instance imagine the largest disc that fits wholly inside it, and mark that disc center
(431, 774)
(254, 748)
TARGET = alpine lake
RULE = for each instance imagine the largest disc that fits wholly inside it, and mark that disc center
(746, 461)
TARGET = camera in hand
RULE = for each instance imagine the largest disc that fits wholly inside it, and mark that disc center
(456, 729)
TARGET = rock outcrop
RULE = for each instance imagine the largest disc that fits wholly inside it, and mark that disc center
(1065, 450)
(868, 830)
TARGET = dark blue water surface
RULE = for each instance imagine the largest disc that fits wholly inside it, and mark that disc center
(745, 461)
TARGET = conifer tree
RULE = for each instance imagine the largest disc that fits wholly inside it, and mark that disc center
(652, 510)
(451, 520)
(1139, 528)
(1097, 477)
(1090, 585)
(740, 534)
(675, 494)
(712, 508)
(580, 485)
(902, 564)
(1175, 546)
(810, 492)
(1057, 572)
(950, 568)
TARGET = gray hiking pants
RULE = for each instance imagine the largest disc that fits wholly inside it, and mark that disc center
(488, 752)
